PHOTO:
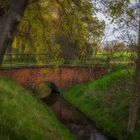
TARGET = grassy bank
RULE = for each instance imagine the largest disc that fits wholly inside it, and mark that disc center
(106, 102)
(24, 117)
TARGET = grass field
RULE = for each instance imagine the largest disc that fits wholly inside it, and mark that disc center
(24, 117)
(106, 102)
(99, 59)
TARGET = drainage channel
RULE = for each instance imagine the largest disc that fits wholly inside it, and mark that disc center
(75, 121)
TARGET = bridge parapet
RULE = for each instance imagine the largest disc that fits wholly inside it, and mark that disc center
(64, 76)
(35, 59)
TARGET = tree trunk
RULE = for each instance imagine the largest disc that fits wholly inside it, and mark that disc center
(9, 23)
(135, 99)
(136, 93)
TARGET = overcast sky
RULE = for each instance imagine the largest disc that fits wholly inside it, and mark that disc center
(110, 35)
(109, 28)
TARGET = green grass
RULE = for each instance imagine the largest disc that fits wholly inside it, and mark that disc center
(24, 117)
(118, 57)
(106, 102)
(101, 58)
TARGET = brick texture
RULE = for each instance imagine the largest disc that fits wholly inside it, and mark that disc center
(63, 76)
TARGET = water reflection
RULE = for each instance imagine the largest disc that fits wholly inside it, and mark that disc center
(77, 123)
(84, 131)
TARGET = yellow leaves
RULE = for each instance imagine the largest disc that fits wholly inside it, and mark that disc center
(15, 43)
(48, 22)
(52, 17)
(130, 12)
(50, 55)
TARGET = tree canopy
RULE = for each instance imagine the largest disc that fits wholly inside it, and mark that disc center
(61, 27)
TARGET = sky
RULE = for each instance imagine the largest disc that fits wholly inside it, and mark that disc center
(110, 35)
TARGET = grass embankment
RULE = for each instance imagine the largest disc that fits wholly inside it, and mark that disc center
(106, 102)
(24, 117)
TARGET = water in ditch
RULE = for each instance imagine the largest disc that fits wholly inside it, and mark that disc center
(76, 122)
(85, 132)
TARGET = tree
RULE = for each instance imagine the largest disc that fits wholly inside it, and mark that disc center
(9, 22)
(127, 14)
(73, 36)
(75, 20)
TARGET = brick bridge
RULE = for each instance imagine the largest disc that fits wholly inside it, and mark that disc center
(62, 77)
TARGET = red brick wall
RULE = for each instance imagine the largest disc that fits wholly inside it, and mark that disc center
(64, 76)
